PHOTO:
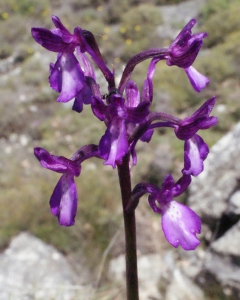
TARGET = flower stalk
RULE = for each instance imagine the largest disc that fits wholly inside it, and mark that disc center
(130, 231)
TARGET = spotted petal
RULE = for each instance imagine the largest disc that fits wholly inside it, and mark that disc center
(180, 225)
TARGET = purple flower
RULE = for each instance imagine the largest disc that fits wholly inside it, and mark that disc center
(184, 50)
(199, 120)
(195, 152)
(118, 115)
(179, 223)
(66, 75)
(133, 100)
(63, 202)
(185, 47)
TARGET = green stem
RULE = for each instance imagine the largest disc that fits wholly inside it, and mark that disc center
(130, 231)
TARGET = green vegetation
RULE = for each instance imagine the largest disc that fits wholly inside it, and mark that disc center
(219, 30)
(24, 7)
(137, 28)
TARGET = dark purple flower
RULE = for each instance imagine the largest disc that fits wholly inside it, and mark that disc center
(64, 199)
(66, 75)
(185, 47)
(179, 223)
(199, 120)
(195, 152)
(184, 50)
(119, 118)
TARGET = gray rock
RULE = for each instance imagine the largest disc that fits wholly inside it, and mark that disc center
(182, 288)
(161, 165)
(150, 269)
(215, 196)
(30, 269)
(234, 203)
(220, 276)
(229, 243)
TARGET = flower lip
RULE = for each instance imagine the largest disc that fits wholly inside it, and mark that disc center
(180, 225)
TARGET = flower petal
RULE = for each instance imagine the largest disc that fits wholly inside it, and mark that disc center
(55, 163)
(64, 200)
(99, 108)
(137, 114)
(48, 40)
(195, 152)
(199, 120)
(83, 96)
(67, 37)
(146, 137)
(202, 112)
(113, 145)
(132, 94)
(67, 74)
(85, 63)
(181, 185)
(197, 80)
(148, 83)
(180, 225)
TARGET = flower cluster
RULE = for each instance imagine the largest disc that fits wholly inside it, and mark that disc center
(127, 116)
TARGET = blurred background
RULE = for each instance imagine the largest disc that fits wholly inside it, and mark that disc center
(31, 117)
